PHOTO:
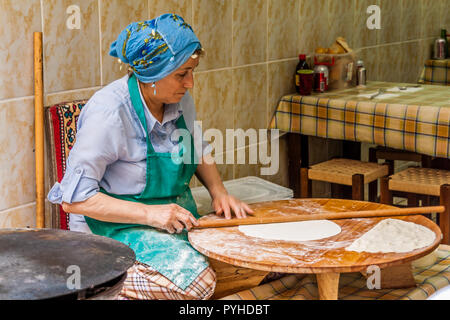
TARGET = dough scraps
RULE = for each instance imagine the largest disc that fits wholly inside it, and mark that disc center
(292, 231)
(393, 235)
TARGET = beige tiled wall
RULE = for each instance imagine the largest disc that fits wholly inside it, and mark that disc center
(252, 48)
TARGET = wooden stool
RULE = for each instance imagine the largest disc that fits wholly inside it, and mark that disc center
(421, 181)
(390, 156)
(342, 171)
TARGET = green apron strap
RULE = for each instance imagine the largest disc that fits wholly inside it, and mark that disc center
(139, 107)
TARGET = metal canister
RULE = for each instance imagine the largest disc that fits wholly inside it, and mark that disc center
(321, 76)
(359, 64)
(361, 76)
(439, 49)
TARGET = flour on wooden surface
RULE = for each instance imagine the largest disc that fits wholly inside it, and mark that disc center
(292, 231)
(393, 235)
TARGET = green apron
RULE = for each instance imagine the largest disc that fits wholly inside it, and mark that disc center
(167, 181)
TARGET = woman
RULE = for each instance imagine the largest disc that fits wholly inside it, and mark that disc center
(126, 175)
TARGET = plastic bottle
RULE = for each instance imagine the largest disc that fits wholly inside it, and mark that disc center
(302, 65)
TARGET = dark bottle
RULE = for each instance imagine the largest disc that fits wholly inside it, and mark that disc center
(302, 65)
(444, 36)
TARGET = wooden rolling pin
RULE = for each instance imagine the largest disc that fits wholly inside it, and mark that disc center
(213, 223)
(39, 129)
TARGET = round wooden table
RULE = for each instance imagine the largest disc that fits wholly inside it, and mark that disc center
(326, 258)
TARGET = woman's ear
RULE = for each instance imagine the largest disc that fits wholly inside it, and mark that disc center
(145, 86)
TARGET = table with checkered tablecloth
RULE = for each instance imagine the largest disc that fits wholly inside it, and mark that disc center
(436, 72)
(415, 119)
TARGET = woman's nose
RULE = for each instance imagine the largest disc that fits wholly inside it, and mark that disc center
(189, 81)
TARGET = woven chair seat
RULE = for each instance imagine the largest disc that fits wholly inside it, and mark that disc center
(341, 171)
(419, 180)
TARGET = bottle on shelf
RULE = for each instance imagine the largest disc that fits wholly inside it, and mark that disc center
(441, 46)
(302, 65)
(444, 36)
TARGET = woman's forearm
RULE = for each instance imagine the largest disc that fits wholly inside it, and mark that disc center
(209, 176)
(170, 217)
(106, 208)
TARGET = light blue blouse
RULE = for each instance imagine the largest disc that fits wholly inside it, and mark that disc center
(110, 148)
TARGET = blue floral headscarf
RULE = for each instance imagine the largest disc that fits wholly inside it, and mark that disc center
(155, 48)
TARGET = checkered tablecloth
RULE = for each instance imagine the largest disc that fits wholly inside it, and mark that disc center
(353, 286)
(436, 72)
(414, 121)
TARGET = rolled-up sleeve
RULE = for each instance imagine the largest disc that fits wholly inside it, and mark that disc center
(73, 188)
(98, 144)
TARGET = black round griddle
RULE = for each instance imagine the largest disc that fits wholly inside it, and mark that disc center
(43, 263)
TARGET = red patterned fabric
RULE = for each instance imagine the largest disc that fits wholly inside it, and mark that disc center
(64, 118)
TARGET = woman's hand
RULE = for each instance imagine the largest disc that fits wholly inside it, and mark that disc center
(170, 217)
(222, 202)
(225, 203)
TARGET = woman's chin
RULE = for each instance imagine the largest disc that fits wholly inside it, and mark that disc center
(176, 98)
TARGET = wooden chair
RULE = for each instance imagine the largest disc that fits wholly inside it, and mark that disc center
(60, 129)
(340, 171)
(421, 181)
(390, 155)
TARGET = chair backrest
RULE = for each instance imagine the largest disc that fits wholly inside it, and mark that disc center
(60, 128)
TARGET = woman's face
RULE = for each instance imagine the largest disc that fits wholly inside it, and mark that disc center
(173, 87)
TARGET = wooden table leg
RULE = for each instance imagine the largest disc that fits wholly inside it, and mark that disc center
(373, 186)
(298, 158)
(350, 150)
(444, 218)
(328, 285)
(439, 163)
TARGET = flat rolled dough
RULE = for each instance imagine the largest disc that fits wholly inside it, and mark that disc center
(393, 235)
(292, 231)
